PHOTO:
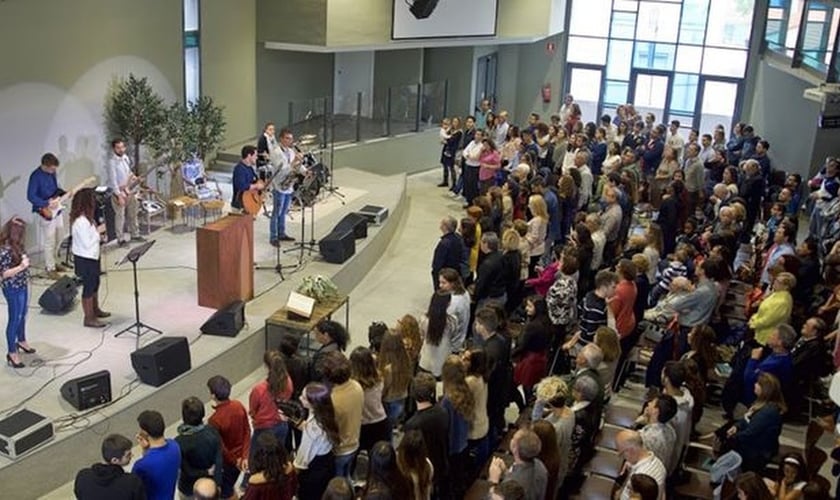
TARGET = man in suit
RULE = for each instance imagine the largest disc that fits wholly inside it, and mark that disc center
(497, 347)
(450, 251)
(433, 422)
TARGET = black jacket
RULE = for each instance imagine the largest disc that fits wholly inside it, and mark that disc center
(433, 423)
(449, 252)
(201, 449)
(490, 279)
(107, 482)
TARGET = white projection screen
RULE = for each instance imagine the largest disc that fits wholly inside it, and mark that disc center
(443, 18)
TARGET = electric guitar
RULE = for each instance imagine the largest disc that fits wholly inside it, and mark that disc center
(50, 213)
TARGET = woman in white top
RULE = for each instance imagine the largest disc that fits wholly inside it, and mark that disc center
(85, 247)
(314, 457)
(438, 328)
(449, 281)
(413, 461)
(537, 230)
(653, 249)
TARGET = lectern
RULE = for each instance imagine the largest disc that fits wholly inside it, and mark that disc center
(225, 255)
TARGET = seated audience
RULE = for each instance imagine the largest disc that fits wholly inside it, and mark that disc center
(108, 479)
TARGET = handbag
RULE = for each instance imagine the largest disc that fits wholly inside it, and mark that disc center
(293, 410)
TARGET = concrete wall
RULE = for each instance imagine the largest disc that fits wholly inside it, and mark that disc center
(353, 73)
(536, 68)
(300, 21)
(454, 64)
(228, 63)
(285, 75)
(507, 85)
(358, 22)
(394, 68)
(59, 59)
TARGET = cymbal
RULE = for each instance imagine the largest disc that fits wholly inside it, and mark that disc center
(308, 137)
(306, 142)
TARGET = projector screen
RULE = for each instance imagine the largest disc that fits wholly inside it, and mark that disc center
(443, 18)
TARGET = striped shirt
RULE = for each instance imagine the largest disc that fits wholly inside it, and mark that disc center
(649, 466)
(593, 314)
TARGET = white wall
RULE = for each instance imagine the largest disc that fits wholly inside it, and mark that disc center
(353, 73)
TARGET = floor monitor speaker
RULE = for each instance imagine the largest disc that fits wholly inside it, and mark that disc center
(88, 391)
(162, 360)
(338, 246)
(59, 296)
(226, 322)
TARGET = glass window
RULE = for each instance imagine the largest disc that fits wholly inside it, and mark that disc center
(654, 56)
(626, 5)
(724, 62)
(191, 15)
(615, 93)
(658, 22)
(620, 57)
(684, 92)
(730, 23)
(587, 50)
(689, 58)
(818, 37)
(623, 25)
(591, 18)
(192, 74)
(693, 26)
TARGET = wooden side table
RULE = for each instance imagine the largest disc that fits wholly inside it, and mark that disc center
(186, 207)
(213, 208)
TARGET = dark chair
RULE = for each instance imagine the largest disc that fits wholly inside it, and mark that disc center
(605, 463)
(606, 437)
(595, 488)
(620, 416)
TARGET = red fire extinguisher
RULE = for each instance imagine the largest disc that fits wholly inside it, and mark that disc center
(546, 93)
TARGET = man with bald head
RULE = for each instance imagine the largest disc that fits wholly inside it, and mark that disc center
(527, 470)
(638, 460)
(450, 251)
(205, 489)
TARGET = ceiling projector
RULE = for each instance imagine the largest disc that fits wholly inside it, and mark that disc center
(422, 8)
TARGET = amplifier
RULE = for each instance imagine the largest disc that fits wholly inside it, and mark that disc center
(22, 432)
(374, 215)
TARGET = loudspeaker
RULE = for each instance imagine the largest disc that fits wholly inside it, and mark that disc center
(337, 247)
(22, 432)
(59, 296)
(226, 322)
(86, 392)
(162, 360)
(423, 8)
(353, 222)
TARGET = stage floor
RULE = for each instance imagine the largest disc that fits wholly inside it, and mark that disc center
(168, 301)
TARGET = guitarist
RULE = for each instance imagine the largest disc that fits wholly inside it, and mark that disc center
(121, 180)
(245, 177)
(288, 161)
(43, 193)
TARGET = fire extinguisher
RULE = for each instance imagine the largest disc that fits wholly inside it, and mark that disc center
(546, 93)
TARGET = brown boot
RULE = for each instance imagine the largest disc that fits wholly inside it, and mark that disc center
(99, 312)
(91, 320)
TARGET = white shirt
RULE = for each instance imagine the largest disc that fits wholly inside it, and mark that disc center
(313, 443)
(599, 240)
(282, 158)
(119, 171)
(85, 238)
(459, 307)
(501, 133)
(649, 466)
(676, 142)
(472, 153)
(586, 181)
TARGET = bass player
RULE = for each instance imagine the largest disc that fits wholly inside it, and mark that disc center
(122, 181)
(288, 162)
(45, 196)
(245, 177)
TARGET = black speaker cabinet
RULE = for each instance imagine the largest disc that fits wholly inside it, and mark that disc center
(59, 296)
(353, 222)
(24, 431)
(162, 360)
(226, 322)
(86, 392)
(337, 246)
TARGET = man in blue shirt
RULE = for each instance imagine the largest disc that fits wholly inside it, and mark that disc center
(161, 457)
(778, 363)
(245, 177)
(43, 193)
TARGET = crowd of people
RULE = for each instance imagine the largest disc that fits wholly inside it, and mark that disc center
(581, 245)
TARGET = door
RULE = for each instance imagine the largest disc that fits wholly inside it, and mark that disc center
(650, 92)
(485, 80)
(584, 84)
(719, 99)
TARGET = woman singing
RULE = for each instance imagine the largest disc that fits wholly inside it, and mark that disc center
(86, 240)
(14, 277)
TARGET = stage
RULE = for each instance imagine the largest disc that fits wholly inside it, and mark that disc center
(168, 301)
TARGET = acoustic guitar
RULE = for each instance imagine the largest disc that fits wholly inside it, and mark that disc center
(252, 201)
(51, 213)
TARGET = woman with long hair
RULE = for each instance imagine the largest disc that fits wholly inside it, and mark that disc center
(385, 479)
(413, 461)
(449, 281)
(490, 163)
(702, 343)
(750, 486)
(450, 149)
(314, 457)
(478, 440)
(266, 418)
(471, 234)
(438, 327)
(567, 196)
(375, 426)
(408, 328)
(531, 350)
(512, 263)
(272, 473)
(552, 397)
(584, 247)
(537, 230)
(459, 404)
(608, 341)
(14, 279)
(86, 240)
(549, 455)
(396, 369)
(653, 249)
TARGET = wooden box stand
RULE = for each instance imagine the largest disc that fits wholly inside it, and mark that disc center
(225, 255)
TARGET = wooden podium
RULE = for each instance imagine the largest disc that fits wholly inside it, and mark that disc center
(225, 255)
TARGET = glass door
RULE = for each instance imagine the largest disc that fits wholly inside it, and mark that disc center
(584, 83)
(719, 99)
(485, 80)
(650, 92)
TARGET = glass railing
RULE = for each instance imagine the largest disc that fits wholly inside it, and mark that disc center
(363, 116)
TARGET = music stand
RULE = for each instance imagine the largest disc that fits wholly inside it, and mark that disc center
(141, 328)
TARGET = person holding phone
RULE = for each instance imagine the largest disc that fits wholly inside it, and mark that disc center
(14, 277)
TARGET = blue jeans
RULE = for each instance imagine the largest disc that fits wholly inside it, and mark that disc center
(344, 464)
(282, 202)
(394, 410)
(18, 301)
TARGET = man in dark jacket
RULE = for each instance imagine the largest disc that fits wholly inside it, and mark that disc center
(201, 447)
(108, 480)
(433, 422)
(497, 347)
(490, 283)
(450, 251)
(751, 190)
